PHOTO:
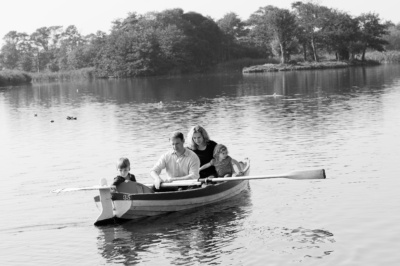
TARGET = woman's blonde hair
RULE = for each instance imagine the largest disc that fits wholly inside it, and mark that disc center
(196, 129)
(218, 149)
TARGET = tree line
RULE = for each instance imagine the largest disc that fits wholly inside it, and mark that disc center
(173, 41)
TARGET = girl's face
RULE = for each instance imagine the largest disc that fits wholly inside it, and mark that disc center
(198, 138)
(223, 154)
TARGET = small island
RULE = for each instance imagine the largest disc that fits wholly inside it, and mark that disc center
(292, 66)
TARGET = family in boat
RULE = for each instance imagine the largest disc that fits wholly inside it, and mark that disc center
(202, 162)
(202, 158)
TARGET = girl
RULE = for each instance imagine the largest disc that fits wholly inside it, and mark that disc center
(222, 162)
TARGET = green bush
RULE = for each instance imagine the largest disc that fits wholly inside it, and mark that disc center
(384, 57)
(83, 73)
(14, 77)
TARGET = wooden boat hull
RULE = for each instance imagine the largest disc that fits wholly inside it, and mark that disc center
(145, 203)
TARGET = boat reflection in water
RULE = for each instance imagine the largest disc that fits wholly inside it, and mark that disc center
(197, 235)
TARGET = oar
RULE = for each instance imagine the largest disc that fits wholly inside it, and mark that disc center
(79, 188)
(297, 175)
(183, 183)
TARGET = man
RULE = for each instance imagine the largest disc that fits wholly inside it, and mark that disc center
(180, 163)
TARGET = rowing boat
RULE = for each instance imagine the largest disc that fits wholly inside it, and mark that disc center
(133, 200)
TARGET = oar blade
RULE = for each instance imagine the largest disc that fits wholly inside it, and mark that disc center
(296, 175)
(79, 189)
(307, 174)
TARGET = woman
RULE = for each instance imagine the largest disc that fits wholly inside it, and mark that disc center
(199, 142)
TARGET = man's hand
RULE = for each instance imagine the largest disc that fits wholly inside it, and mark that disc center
(157, 179)
(157, 182)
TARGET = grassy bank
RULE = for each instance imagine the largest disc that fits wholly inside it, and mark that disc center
(306, 66)
(384, 57)
(14, 77)
(84, 73)
(239, 64)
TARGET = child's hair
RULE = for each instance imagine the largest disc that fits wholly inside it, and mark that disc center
(218, 149)
(123, 163)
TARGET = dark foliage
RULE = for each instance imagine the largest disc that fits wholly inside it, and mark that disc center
(174, 42)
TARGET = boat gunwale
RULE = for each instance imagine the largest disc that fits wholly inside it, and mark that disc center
(211, 189)
(198, 192)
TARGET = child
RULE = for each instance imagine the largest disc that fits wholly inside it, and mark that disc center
(123, 166)
(222, 162)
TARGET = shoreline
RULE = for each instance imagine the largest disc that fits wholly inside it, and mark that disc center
(14, 78)
(306, 66)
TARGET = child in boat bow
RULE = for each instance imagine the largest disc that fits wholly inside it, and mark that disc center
(223, 163)
(123, 166)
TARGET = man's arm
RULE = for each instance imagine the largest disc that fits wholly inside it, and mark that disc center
(156, 170)
(157, 179)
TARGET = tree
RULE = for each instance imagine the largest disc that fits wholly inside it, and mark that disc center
(393, 37)
(372, 32)
(41, 38)
(311, 19)
(172, 43)
(158, 43)
(275, 24)
(40, 42)
(69, 40)
(233, 28)
(128, 52)
(341, 34)
(17, 51)
(9, 52)
(26, 55)
(203, 39)
(9, 56)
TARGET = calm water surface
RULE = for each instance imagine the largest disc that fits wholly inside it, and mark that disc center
(346, 121)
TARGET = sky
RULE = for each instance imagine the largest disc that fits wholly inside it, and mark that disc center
(89, 16)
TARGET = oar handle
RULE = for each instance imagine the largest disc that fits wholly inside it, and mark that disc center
(185, 183)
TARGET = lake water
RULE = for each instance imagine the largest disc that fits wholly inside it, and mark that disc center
(346, 121)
